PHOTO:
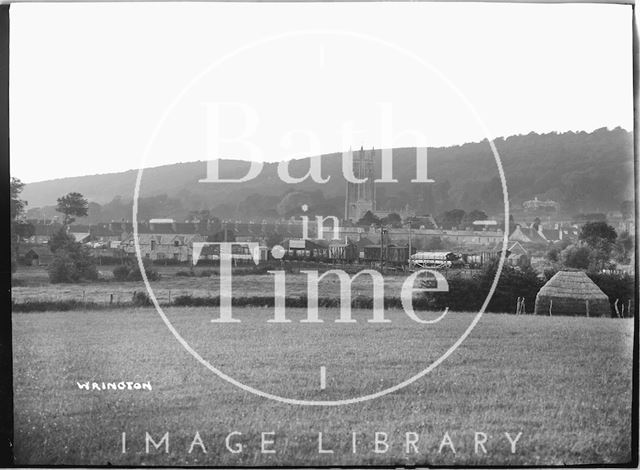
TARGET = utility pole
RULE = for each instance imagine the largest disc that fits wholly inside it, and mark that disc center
(410, 247)
(382, 230)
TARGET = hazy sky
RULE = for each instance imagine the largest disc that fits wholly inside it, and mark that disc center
(91, 82)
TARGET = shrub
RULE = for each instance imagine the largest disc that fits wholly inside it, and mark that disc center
(190, 301)
(616, 286)
(513, 283)
(468, 294)
(72, 264)
(121, 273)
(108, 260)
(61, 240)
(141, 299)
(131, 272)
(63, 270)
(136, 275)
(576, 257)
(363, 302)
(167, 262)
(55, 305)
(184, 274)
(549, 273)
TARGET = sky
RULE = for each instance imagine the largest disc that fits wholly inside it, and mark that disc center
(99, 88)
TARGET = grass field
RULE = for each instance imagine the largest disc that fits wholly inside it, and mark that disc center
(34, 285)
(565, 383)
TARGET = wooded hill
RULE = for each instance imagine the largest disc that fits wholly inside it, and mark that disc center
(584, 172)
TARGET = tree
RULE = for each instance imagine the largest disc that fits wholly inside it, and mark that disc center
(60, 240)
(624, 247)
(578, 257)
(600, 237)
(392, 219)
(19, 227)
(450, 219)
(72, 262)
(369, 219)
(72, 205)
(472, 216)
(553, 254)
(594, 233)
(17, 205)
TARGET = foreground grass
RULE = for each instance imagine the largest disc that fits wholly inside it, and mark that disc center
(565, 383)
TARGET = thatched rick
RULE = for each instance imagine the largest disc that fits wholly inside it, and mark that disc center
(572, 293)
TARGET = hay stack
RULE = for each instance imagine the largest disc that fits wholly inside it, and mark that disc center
(572, 293)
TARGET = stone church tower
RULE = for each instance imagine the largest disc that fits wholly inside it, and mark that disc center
(361, 197)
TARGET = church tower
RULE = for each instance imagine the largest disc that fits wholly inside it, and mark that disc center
(361, 197)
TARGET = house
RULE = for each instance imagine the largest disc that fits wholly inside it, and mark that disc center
(37, 255)
(536, 204)
(81, 237)
(42, 232)
(158, 243)
(539, 235)
(106, 233)
(421, 237)
(528, 235)
(569, 232)
(517, 255)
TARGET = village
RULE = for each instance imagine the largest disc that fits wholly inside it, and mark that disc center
(539, 243)
(169, 242)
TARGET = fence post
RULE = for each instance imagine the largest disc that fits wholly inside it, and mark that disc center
(587, 304)
(110, 299)
(550, 306)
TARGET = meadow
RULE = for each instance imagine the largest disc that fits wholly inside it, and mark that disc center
(563, 382)
(33, 285)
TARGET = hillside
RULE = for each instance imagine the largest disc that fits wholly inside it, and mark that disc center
(583, 171)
